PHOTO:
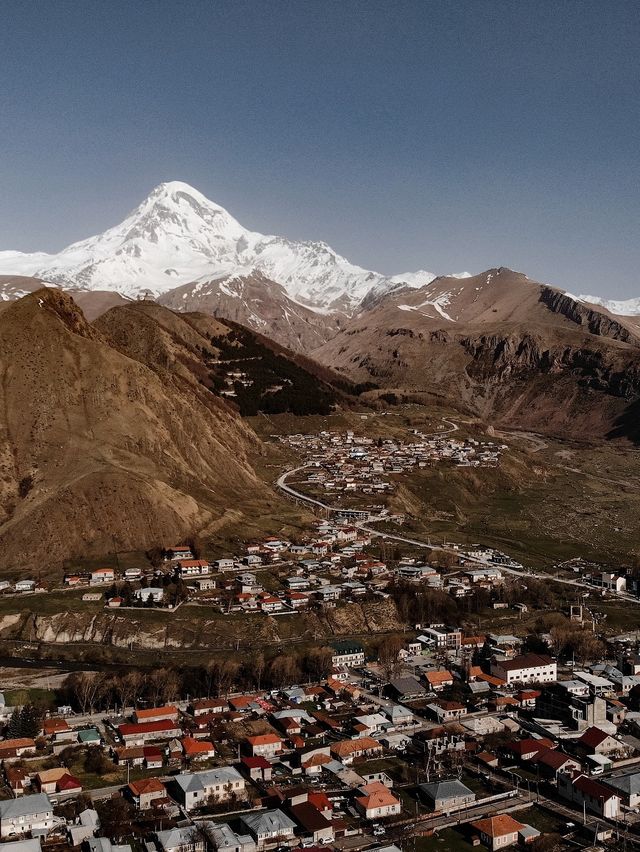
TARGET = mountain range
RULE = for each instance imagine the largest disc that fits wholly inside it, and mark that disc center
(191, 253)
(177, 237)
(501, 347)
(123, 433)
(128, 362)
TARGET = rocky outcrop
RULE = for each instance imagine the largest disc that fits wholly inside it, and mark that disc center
(595, 321)
(501, 358)
(193, 627)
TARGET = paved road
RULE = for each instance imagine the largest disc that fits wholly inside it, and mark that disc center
(281, 482)
(364, 526)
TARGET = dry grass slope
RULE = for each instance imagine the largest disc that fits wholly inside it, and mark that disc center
(100, 450)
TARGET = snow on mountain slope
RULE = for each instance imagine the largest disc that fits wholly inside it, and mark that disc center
(177, 236)
(624, 307)
(421, 278)
(258, 303)
(414, 279)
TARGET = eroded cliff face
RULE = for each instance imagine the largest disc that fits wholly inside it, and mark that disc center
(595, 321)
(501, 358)
(193, 628)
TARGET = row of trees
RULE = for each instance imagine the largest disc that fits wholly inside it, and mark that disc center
(90, 692)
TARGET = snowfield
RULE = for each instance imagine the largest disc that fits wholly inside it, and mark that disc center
(177, 236)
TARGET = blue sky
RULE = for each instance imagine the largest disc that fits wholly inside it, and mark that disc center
(438, 135)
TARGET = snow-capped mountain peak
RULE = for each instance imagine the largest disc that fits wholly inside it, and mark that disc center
(177, 236)
(622, 307)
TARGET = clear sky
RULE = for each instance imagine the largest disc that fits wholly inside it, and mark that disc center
(407, 134)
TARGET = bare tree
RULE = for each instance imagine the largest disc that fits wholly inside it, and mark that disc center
(128, 688)
(171, 687)
(155, 684)
(87, 688)
(204, 832)
(388, 651)
(254, 667)
(224, 674)
(318, 662)
(284, 670)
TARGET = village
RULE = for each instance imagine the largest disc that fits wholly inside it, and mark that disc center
(432, 733)
(343, 462)
(470, 737)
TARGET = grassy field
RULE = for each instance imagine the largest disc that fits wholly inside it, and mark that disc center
(458, 839)
(447, 840)
(547, 501)
(31, 695)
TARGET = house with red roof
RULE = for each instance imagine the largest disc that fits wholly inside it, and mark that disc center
(69, 785)
(18, 779)
(438, 680)
(145, 792)
(168, 711)
(58, 780)
(589, 794)
(596, 741)
(376, 801)
(527, 697)
(552, 762)
(153, 757)
(270, 603)
(314, 826)
(256, 768)
(264, 745)
(525, 668)
(498, 831)
(348, 750)
(59, 730)
(139, 734)
(528, 748)
(297, 600)
(243, 702)
(192, 567)
(207, 706)
(102, 575)
(197, 749)
(16, 747)
(322, 802)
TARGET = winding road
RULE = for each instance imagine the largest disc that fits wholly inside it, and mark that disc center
(281, 483)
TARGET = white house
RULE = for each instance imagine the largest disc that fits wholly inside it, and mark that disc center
(613, 582)
(590, 794)
(151, 593)
(346, 653)
(193, 567)
(181, 840)
(376, 801)
(192, 790)
(102, 575)
(227, 840)
(526, 668)
(26, 814)
(268, 825)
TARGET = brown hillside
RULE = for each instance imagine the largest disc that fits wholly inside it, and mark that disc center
(500, 346)
(259, 304)
(99, 450)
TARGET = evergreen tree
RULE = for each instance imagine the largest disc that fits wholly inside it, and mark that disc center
(30, 721)
(13, 731)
